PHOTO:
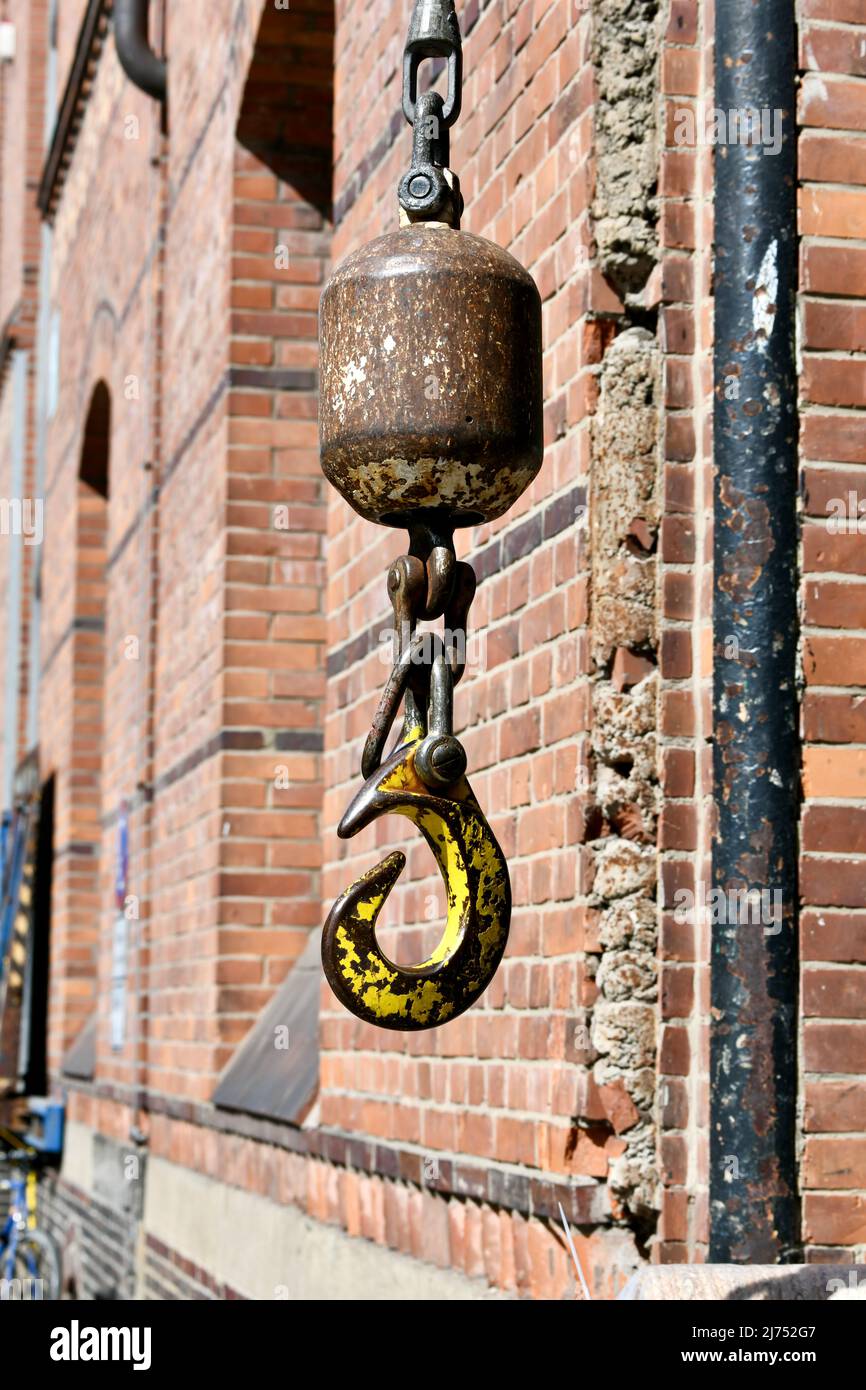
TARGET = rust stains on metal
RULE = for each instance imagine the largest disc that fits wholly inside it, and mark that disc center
(749, 519)
(431, 377)
(753, 1055)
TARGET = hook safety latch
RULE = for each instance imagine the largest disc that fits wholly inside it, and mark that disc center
(424, 780)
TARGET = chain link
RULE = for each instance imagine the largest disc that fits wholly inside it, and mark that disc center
(426, 667)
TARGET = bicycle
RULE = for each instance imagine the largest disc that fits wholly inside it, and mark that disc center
(29, 1257)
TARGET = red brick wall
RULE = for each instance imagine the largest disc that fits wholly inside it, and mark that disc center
(244, 603)
(275, 626)
(833, 449)
(502, 1085)
(214, 634)
(23, 104)
(686, 554)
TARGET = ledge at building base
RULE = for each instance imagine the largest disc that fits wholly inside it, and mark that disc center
(746, 1283)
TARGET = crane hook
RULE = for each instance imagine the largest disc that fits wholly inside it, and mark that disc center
(424, 780)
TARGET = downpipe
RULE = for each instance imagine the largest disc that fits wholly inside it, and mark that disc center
(754, 1210)
(137, 58)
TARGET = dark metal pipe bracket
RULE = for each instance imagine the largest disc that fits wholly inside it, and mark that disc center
(137, 58)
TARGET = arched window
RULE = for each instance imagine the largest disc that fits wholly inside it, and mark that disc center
(77, 896)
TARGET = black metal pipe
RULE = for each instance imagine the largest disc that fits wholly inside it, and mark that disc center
(754, 1213)
(137, 58)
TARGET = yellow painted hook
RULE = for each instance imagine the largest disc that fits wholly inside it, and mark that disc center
(479, 904)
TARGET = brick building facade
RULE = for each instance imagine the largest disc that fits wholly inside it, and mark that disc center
(194, 651)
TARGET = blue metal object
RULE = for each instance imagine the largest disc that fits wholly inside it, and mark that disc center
(4, 843)
(121, 880)
(12, 1227)
(12, 884)
(48, 1114)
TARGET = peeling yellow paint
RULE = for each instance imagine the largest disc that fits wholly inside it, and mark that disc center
(478, 913)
